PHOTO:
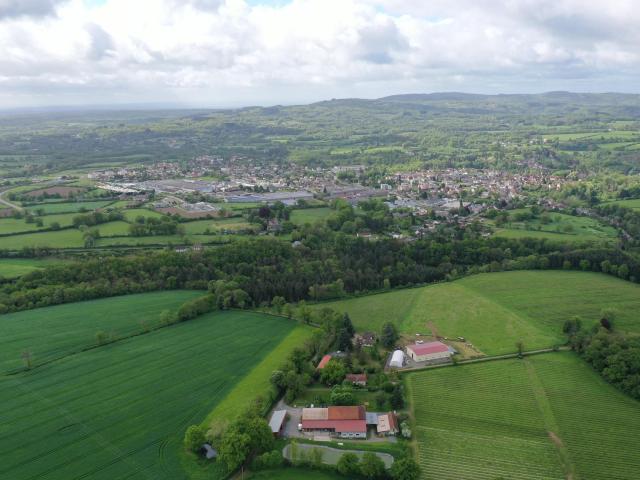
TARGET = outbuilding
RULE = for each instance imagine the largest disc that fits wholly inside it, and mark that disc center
(397, 359)
(277, 422)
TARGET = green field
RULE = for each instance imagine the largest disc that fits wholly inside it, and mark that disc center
(16, 267)
(68, 207)
(70, 238)
(494, 420)
(561, 228)
(632, 203)
(201, 226)
(310, 215)
(53, 332)
(494, 310)
(19, 225)
(131, 214)
(113, 229)
(295, 474)
(120, 411)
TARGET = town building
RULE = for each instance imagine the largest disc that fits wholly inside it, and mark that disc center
(387, 424)
(357, 379)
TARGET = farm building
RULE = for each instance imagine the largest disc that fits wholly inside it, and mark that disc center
(343, 422)
(357, 379)
(277, 422)
(323, 362)
(387, 424)
(430, 351)
(397, 359)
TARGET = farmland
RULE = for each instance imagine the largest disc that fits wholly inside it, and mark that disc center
(69, 207)
(53, 332)
(120, 411)
(495, 310)
(309, 215)
(545, 417)
(16, 267)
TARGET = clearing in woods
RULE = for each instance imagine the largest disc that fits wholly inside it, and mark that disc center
(120, 411)
(494, 310)
(546, 417)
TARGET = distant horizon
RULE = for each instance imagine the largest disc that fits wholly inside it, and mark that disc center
(159, 106)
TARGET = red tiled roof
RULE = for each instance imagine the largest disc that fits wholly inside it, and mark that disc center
(357, 377)
(324, 361)
(427, 348)
(338, 426)
(347, 413)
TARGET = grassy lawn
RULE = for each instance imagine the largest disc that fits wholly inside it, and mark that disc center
(16, 267)
(120, 411)
(56, 331)
(494, 310)
(493, 420)
(310, 215)
(320, 395)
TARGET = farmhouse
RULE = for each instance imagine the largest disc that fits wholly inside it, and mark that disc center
(428, 352)
(323, 362)
(357, 379)
(343, 422)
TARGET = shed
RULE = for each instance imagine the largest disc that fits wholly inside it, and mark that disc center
(277, 421)
(423, 352)
(397, 359)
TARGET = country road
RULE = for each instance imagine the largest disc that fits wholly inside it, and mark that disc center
(8, 203)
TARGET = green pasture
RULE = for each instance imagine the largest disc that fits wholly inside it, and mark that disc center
(69, 207)
(295, 474)
(631, 203)
(56, 331)
(545, 417)
(113, 229)
(16, 267)
(130, 214)
(310, 215)
(70, 238)
(19, 225)
(121, 410)
(561, 228)
(494, 310)
(202, 226)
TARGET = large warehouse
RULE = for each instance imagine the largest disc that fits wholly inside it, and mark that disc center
(430, 351)
(344, 422)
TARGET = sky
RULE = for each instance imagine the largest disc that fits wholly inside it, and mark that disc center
(228, 53)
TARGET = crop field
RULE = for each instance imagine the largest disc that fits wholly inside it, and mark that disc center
(495, 310)
(309, 215)
(53, 332)
(120, 411)
(546, 417)
(16, 267)
(69, 207)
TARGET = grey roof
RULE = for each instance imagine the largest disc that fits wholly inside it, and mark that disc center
(372, 418)
(276, 420)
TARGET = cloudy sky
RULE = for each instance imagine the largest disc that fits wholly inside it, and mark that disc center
(244, 52)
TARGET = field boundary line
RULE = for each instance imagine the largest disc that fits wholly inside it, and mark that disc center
(549, 419)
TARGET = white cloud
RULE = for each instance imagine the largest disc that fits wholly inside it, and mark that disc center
(227, 51)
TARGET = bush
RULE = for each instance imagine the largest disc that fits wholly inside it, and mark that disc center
(348, 465)
(268, 460)
(194, 437)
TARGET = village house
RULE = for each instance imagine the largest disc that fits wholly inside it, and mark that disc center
(357, 379)
(387, 424)
(365, 339)
(343, 422)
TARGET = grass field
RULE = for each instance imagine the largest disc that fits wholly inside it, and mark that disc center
(632, 203)
(19, 225)
(201, 226)
(561, 228)
(310, 215)
(70, 238)
(53, 332)
(494, 310)
(69, 207)
(131, 214)
(295, 474)
(493, 420)
(120, 411)
(16, 267)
